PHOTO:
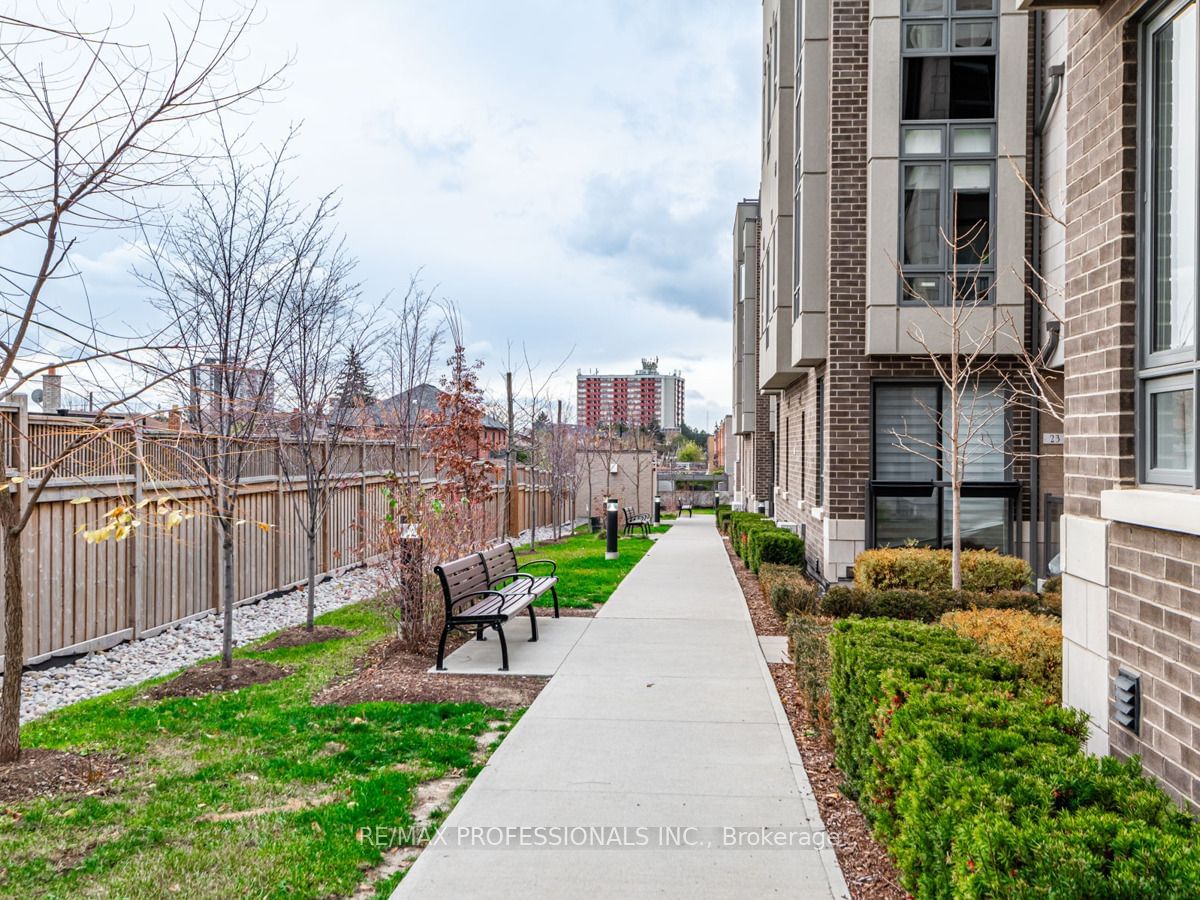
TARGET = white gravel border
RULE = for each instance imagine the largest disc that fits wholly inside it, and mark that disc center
(133, 662)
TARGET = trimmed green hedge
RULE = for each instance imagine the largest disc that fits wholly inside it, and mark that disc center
(921, 569)
(979, 785)
(741, 526)
(775, 545)
(723, 513)
(841, 601)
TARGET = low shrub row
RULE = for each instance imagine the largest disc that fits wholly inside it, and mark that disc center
(1032, 642)
(723, 512)
(787, 589)
(922, 569)
(841, 601)
(777, 546)
(757, 540)
(978, 783)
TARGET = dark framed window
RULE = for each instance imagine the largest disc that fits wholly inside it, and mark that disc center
(820, 441)
(910, 493)
(1168, 312)
(947, 151)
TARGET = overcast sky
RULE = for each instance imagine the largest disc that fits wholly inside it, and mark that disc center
(565, 171)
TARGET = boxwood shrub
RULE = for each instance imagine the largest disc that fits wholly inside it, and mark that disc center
(788, 589)
(978, 784)
(775, 545)
(723, 514)
(922, 569)
(841, 601)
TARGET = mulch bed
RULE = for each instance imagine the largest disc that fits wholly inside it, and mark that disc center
(865, 863)
(762, 614)
(210, 678)
(390, 673)
(301, 636)
(868, 869)
(43, 773)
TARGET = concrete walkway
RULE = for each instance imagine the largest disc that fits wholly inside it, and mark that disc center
(655, 763)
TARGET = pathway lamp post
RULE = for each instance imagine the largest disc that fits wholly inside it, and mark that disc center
(610, 550)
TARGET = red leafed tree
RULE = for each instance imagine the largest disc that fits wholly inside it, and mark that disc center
(455, 430)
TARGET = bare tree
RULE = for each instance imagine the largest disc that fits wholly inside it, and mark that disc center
(93, 127)
(329, 340)
(415, 336)
(224, 274)
(985, 371)
(533, 411)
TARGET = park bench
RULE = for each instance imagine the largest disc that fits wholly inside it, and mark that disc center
(685, 508)
(486, 590)
(636, 520)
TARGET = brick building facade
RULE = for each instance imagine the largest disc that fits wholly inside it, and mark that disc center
(1131, 532)
(842, 346)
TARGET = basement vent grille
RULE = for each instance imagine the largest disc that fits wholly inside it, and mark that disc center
(1128, 700)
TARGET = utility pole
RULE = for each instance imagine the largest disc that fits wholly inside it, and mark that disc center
(508, 457)
(557, 478)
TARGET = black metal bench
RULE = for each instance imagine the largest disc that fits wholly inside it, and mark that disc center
(685, 507)
(636, 520)
(486, 590)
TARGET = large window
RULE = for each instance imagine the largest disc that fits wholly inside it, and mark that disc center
(910, 489)
(948, 151)
(1167, 288)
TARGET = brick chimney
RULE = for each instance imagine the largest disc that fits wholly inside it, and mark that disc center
(174, 420)
(51, 391)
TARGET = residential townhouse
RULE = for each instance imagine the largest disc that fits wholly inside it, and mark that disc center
(902, 159)
(1067, 133)
(753, 445)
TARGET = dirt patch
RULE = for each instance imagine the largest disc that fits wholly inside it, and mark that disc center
(432, 797)
(210, 678)
(298, 804)
(762, 614)
(301, 636)
(44, 773)
(392, 674)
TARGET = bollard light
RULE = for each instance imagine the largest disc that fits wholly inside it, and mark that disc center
(610, 549)
(657, 509)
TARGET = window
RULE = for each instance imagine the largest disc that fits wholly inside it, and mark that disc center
(1167, 287)
(910, 492)
(820, 442)
(948, 151)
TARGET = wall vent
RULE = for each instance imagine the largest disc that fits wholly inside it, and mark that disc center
(1127, 697)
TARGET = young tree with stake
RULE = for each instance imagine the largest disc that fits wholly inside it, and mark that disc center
(96, 128)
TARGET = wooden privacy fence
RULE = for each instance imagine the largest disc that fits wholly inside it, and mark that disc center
(81, 597)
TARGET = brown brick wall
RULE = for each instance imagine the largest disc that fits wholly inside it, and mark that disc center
(1100, 299)
(850, 370)
(1154, 630)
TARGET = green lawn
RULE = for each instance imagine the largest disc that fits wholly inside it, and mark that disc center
(258, 747)
(585, 577)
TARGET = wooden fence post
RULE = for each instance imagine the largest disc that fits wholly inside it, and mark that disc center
(137, 553)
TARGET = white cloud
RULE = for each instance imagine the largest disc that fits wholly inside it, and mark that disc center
(566, 172)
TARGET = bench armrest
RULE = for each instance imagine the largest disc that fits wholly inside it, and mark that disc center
(533, 562)
(474, 595)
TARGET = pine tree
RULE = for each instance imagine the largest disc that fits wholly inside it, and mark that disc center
(356, 388)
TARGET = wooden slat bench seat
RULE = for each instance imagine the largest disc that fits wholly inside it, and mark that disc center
(486, 590)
